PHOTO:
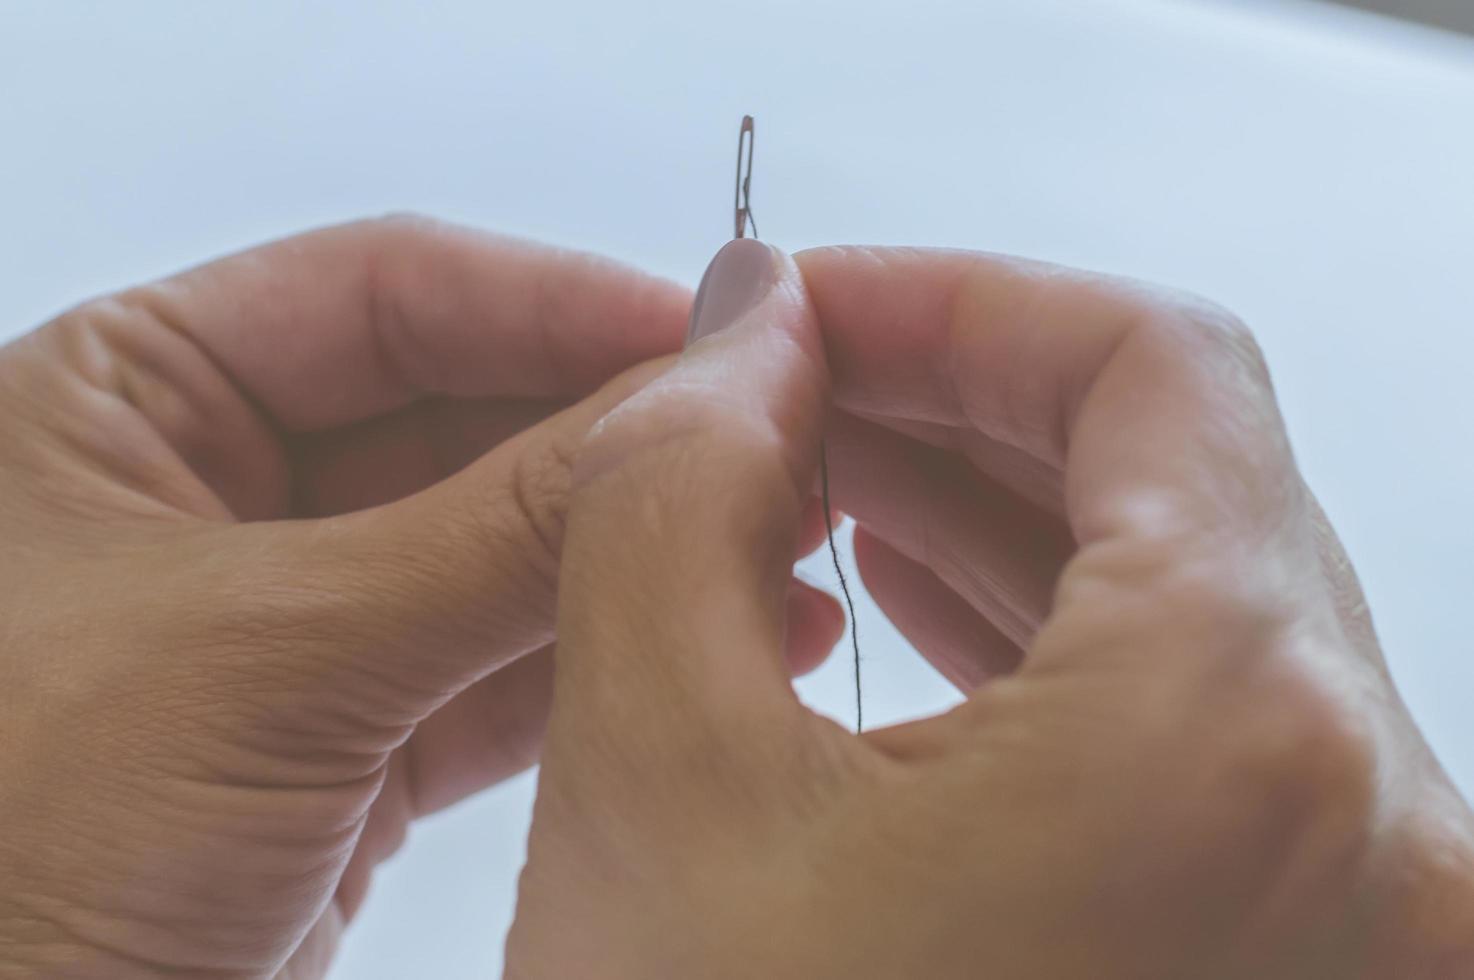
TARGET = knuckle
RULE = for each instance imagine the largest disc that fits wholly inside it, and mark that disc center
(509, 520)
(537, 499)
(1307, 750)
(1192, 327)
(1237, 644)
(1259, 703)
(1220, 588)
(1300, 775)
(85, 339)
(1169, 577)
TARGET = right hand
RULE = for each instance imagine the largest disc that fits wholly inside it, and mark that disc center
(1181, 754)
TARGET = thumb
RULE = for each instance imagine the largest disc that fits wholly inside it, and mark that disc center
(390, 611)
(684, 513)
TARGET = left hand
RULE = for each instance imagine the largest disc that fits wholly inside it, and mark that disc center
(278, 533)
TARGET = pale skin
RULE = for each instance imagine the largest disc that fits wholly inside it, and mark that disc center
(290, 537)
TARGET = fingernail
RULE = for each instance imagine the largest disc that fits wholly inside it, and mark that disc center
(743, 272)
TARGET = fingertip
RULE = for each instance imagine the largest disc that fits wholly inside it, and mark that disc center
(816, 622)
(811, 527)
(962, 643)
(742, 274)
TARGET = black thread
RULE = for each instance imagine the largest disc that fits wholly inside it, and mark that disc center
(844, 585)
(742, 206)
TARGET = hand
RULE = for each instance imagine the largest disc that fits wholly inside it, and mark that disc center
(281, 537)
(1180, 755)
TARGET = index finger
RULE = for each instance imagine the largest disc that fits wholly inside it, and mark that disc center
(1157, 406)
(349, 322)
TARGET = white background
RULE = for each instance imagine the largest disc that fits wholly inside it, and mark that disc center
(1312, 168)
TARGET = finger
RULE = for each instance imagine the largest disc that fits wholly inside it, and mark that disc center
(813, 531)
(355, 320)
(335, 326)
(1000, 554)
(815, 621)
(1030, 478)
(489, 732)
(1161, 405)
(684, 518)
(943, 627)
(407, 604)
(494, 729)
(385, 458)
(373, 619)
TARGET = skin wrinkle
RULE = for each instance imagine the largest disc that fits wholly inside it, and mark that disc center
(539, 490)
(385, 321)
(922, 605)
(925, 488)
(398, 349)
(1154, 510)
(137, 361)
(247, 767)
(58, 930)
(548, 306)
(91, 919)
(149, 308)
(93, 379)
(1071, 405)
(818, 254)
(963, 321)
(522, 599)
(160, 303)
(69, 486)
